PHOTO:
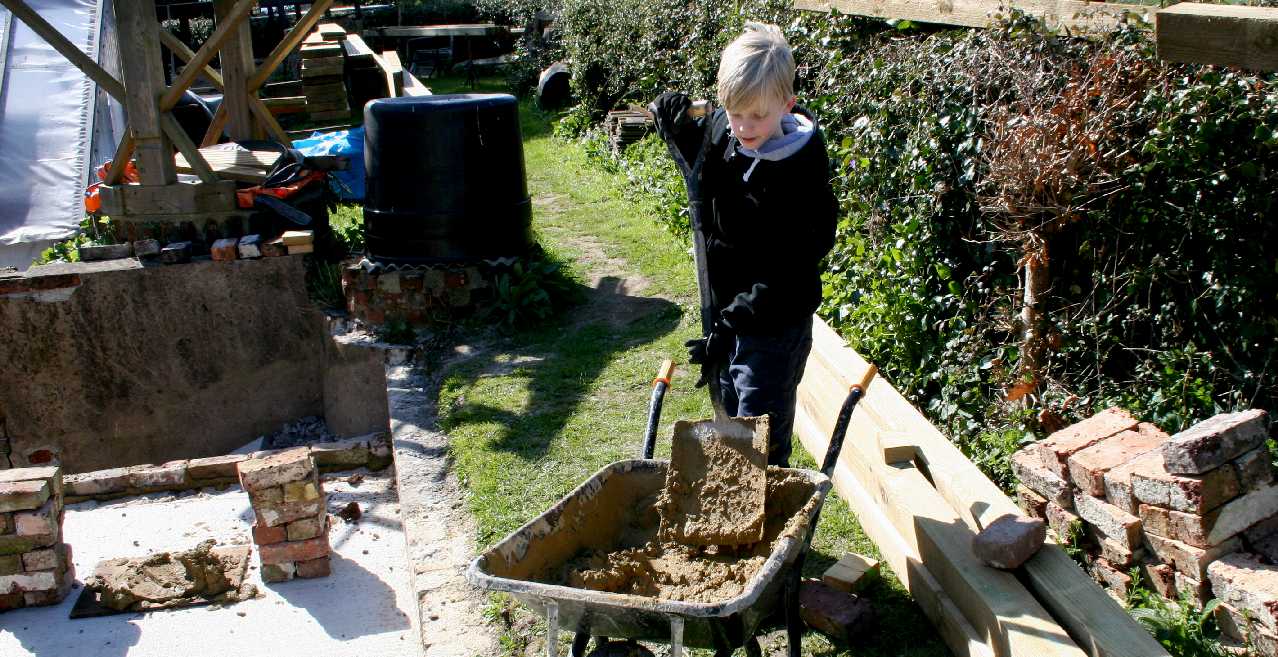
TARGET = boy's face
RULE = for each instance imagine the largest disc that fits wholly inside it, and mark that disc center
(753, 126)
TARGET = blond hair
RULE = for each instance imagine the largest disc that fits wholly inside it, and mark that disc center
(756, 65)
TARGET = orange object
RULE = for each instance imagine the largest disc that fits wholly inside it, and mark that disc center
(665, 373)
(92, 195)
(244, 197)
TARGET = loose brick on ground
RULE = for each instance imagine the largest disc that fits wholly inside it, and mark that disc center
(838, 615)
(1033, 504)
(1152, 484)
(1009, 541)
(277, 469)
(1116, 524)
(851, 573)
(23, 495)
(1215, 441)
(1029, 470)
(1244, 583)
(1087, 467)
(1058, 447)
(1186, 558)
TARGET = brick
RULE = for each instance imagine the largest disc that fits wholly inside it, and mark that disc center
(298, 237)
(1242, 582)
(1087, 467)
(49, 473)
(1029, 470)
(1196, 591)
(313, 568)
(16, 544)
(146, 248)
(38, 283)
(266, 496)
(1152, 484)
(92, 253)
(1116, 524)
(1186, 558)
(214, 467)
(1118, 485)
(1033, 504)
(46, 559)
(277, 469)
(11, 564)
(274, 248)
(1155, 520)
(250, 246)
(301, 491)
(380, 453)
(11, 601)
(1255, 469)
(278, 572)
(1117, 555)
(38, 522)
(164, 476)
(1054, 450)
(838, 615)
(1009, 541)
(1215, 441)
(23, 495)
(1063, 522)
(6, 523)
(1110, 576)
(341, 454)
(852, 573)
(1235, 625)
(1236, 516)
(1161, 577)
(279, 514)
(23, 582)
(295, 550)
(225, 249)
(175, 253)
(99, 482)
(264, 535)
(306, 528)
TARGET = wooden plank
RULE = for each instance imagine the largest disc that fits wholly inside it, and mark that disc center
(216, 126)
(1095, 620)
(123, 151)
(413, 86)
(391, 67)
(236, 58)
(331, 31)
(184, 53)
(180, 198)
(312, 51)
(458, 29)
(285, 104)
(65, 48)
(1074, 15)
(144, 80)
(355, 47)
(288, 43)
(225, 27)
(1227, 35)
(234, 163)
(328, 67)
(187, 148)
(282, 89)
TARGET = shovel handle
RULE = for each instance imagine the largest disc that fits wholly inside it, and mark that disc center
(698, 109)
(665, 373)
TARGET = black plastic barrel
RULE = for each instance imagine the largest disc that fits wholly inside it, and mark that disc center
(445, 179)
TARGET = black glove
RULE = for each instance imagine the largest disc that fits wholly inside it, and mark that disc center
(670, 110)
(710, 351)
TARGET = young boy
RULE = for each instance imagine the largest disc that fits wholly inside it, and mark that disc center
(768, 215)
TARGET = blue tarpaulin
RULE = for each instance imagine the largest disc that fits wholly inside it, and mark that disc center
(346, 143)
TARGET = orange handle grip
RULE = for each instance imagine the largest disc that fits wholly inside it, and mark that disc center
(664, 373)
(864, 383)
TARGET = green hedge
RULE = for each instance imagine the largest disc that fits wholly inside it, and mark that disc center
(1145, 188)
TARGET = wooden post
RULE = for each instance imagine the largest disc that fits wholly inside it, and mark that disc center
(237, 65)
(144, 80)
(1230, 35)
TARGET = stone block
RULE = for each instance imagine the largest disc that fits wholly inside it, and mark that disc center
(1161, 577)
(98, 482)
(1197, 592)
(343, 454)
(214, 467)
(1215, 442)
(279, 514)
(1152, 484)
(278, 572)
(1116, 524)
(23, 495)
(1029, 470)
(295, 550)
(1156, 520)
(146, 248)
(225, 249)
(1055, 450)
(307, 528)
(50, 474)
(250, 246)
(277, 469)
(38, 522)
(1087, 467)
(166, 476)
(1111, 577)
(851, 573)
(313, 568)
(1247, 585)
(1009, 541)
(175, 253)
(264, 535)
(1186, 558)
(1064, 523)
(838, 615)
(1033, 504)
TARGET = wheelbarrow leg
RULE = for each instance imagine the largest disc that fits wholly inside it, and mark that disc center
(752, 647)
(579, 644)
(552, 628)
(793, 621)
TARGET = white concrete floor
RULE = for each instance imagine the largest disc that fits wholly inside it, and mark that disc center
(362, 609)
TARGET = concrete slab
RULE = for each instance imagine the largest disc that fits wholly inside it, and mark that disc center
(363, 608)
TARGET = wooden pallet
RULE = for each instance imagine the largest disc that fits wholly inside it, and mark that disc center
(234, 164)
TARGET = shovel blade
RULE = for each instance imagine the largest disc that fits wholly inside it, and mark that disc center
(716, 483)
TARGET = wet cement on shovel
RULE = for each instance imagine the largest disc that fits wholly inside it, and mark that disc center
(717, 483)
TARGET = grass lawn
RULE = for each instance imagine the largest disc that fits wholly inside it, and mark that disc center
(532, 414)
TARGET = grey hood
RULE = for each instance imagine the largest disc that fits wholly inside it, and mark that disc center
(796, 130)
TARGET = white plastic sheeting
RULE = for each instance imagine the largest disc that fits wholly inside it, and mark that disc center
(55, 125)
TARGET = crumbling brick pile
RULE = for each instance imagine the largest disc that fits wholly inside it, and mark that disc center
(408, 294)
(291, 528)
(35, 565)
(1196, 513)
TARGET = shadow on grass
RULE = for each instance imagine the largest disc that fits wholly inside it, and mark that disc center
(560, 364)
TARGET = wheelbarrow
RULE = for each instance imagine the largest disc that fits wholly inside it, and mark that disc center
(596, 514)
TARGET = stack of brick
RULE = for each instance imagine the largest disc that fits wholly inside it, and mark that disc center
(413, 295)
(323, 76)
(35, 565)
(291, 528)
(1135, 497)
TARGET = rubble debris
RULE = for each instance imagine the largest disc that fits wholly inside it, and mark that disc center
(169, 580)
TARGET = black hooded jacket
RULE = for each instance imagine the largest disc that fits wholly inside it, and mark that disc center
(765, 235)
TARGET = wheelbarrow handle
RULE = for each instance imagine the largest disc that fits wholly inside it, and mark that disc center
(659, 386)
(855, 393)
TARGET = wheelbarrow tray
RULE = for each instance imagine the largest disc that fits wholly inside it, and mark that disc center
(595, 516)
